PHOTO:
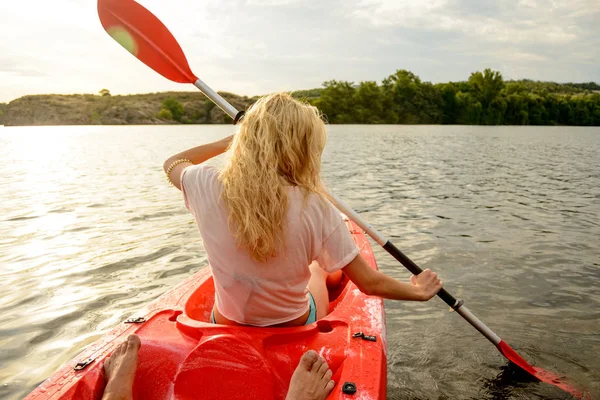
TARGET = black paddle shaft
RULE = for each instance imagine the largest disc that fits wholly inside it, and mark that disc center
(416, 270)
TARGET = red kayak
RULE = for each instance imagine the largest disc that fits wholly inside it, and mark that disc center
(183, 356)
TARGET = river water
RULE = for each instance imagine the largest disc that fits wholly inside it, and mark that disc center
(90, 232)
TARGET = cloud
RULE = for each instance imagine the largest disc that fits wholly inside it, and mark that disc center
(270, 3)
(258, 46)
(512, 35)
(411, 13)
(521, 21)
(12, 65)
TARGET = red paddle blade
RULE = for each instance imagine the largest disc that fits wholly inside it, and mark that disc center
(541, 374)
(143, 35)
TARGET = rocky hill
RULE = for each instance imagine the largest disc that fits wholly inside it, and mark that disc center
(143, 109)
(2, 108)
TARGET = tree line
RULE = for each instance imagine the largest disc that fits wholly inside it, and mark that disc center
(484, 99)
(401, 98)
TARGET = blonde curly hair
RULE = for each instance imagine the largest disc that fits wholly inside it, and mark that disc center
(279, 143)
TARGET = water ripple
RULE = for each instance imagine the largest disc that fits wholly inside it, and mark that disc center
(510, 218)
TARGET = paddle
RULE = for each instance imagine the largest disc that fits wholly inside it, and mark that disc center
(143, 35)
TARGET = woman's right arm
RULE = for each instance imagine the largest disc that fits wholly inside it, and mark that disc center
(422, 287)
(196, 155)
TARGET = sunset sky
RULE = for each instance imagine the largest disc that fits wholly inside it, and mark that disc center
(258, 46)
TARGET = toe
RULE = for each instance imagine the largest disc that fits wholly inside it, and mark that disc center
(308, 359)
(120, 349)
(323, 369)
(327, 376)
(329, 387)
(133, 342)
(317, 365)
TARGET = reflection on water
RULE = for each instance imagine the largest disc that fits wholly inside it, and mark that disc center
(90, 232)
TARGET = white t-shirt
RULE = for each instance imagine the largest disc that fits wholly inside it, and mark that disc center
(256, 293)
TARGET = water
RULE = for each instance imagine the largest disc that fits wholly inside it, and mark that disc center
(510, 217)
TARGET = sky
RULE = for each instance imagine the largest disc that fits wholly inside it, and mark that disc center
(253, 47)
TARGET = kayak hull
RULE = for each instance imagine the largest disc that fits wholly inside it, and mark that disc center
(183, 356)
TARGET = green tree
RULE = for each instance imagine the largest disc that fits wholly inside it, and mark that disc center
(565, 112)
(406, 86)
(485, 98)
(470, 109)
(538, 115)
(414, 102)
(387, 102)
(595, 110)
(486, 87)
(337, 102)
(494, 114)
(175, 107)
(368, 104)
(450, 109)
(515, 88)
(517, 111)
(581, 112)
(104, 92)
(309, 94)
(429, 104)
(552, 108)
(165, 114)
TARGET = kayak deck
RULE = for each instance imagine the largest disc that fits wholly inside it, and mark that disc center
(183, 356)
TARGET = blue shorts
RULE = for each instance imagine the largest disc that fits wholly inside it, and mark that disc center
(312, 315)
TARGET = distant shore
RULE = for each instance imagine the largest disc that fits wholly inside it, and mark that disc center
(142, 109)
(401, 98)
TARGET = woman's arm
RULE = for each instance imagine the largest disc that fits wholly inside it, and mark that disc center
(422, 287)
(196, 155)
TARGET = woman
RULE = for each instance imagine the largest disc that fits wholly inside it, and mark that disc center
(272, 238)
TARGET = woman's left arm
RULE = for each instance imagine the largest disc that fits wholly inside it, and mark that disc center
(195, 155)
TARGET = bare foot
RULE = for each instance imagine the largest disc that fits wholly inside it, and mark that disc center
(120, 370)
(311, 379)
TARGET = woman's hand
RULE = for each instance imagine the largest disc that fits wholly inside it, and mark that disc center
(427, 284)
(374, 283)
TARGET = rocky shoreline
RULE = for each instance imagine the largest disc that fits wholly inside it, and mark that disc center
(88, 109)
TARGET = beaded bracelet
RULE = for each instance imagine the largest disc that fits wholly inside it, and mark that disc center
(173, 164)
